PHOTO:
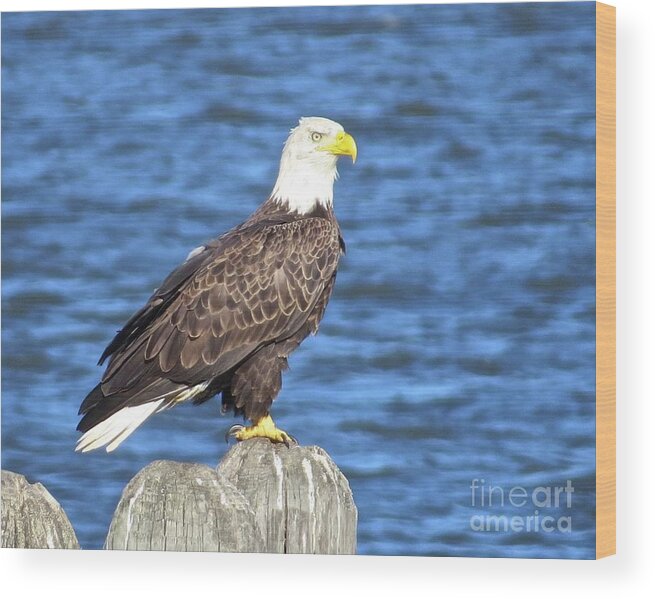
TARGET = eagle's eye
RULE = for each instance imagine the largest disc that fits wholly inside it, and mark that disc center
(316, 136)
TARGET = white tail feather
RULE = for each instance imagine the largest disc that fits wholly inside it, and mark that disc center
(113, 431)
(119, 426)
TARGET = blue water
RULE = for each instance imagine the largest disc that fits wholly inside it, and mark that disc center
(459, 342)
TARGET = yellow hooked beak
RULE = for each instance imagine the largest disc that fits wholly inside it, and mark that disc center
(344, 145)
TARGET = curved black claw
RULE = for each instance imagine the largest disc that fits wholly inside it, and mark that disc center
(232, 431)
(289, 440)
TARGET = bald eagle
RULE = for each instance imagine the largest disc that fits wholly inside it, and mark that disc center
(225, 320)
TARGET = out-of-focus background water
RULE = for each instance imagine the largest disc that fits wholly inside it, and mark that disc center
(459, 342)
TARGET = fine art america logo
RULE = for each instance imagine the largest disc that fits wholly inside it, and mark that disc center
(521, 509)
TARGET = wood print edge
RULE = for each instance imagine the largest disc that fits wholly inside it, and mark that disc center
(605, 280)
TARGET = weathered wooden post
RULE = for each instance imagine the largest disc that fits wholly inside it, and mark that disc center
(32, 518)
(263, 497)
(302, 501)
(172, 506)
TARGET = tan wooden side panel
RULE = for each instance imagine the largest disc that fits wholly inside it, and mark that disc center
(605, 280)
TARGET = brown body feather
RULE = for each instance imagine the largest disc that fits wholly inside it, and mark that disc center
(229, 317)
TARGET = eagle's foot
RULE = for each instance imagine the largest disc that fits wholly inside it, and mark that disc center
(265, 428)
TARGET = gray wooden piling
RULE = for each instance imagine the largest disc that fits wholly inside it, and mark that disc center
(32, 518)
(302, 501)
(173, 506)
(263, 497)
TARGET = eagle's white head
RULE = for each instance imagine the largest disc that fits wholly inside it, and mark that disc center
(308, 167)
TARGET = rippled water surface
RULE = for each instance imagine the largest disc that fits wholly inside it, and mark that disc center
(459, 342)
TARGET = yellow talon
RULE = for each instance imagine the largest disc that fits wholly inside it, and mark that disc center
(266, 428)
